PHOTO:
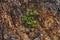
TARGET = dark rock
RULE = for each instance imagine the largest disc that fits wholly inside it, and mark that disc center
(37, 34)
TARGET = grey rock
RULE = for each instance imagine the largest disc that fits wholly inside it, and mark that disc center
(36, 39)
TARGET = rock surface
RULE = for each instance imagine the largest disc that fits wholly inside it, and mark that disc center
(11, 27)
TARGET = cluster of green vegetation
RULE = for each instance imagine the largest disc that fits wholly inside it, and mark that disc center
(32, 12)
(28, 19)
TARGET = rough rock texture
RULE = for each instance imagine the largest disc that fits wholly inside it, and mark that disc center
(11, 27)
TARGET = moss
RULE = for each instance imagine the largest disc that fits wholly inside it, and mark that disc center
(28, 19)
(32, 12)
